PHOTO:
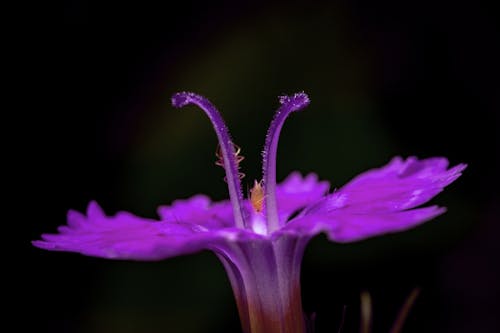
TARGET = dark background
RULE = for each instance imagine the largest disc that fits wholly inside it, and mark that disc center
(385, 79)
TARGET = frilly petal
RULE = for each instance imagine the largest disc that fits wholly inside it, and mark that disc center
(400, 185)
(126, 236)
(378, 201)
(343, 227)
(297, 192)
(199, 210)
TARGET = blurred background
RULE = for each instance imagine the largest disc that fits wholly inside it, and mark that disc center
(385, 78)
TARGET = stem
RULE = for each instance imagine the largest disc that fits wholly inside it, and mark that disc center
(403, 313)
(226, 146)
(366, 312)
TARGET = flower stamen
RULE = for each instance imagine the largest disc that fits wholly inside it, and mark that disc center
(257, 196)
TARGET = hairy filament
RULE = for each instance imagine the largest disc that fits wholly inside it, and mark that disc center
(226, 148)
(289, 104)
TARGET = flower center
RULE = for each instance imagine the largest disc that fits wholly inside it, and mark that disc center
(263, 194)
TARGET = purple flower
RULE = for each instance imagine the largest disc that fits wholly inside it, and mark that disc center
(260, 240)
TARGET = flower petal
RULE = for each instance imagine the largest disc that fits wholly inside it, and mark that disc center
(126, 236)
(199, 210)
(345, 226)
(378, 201)
(400, 185)
(297, 192)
